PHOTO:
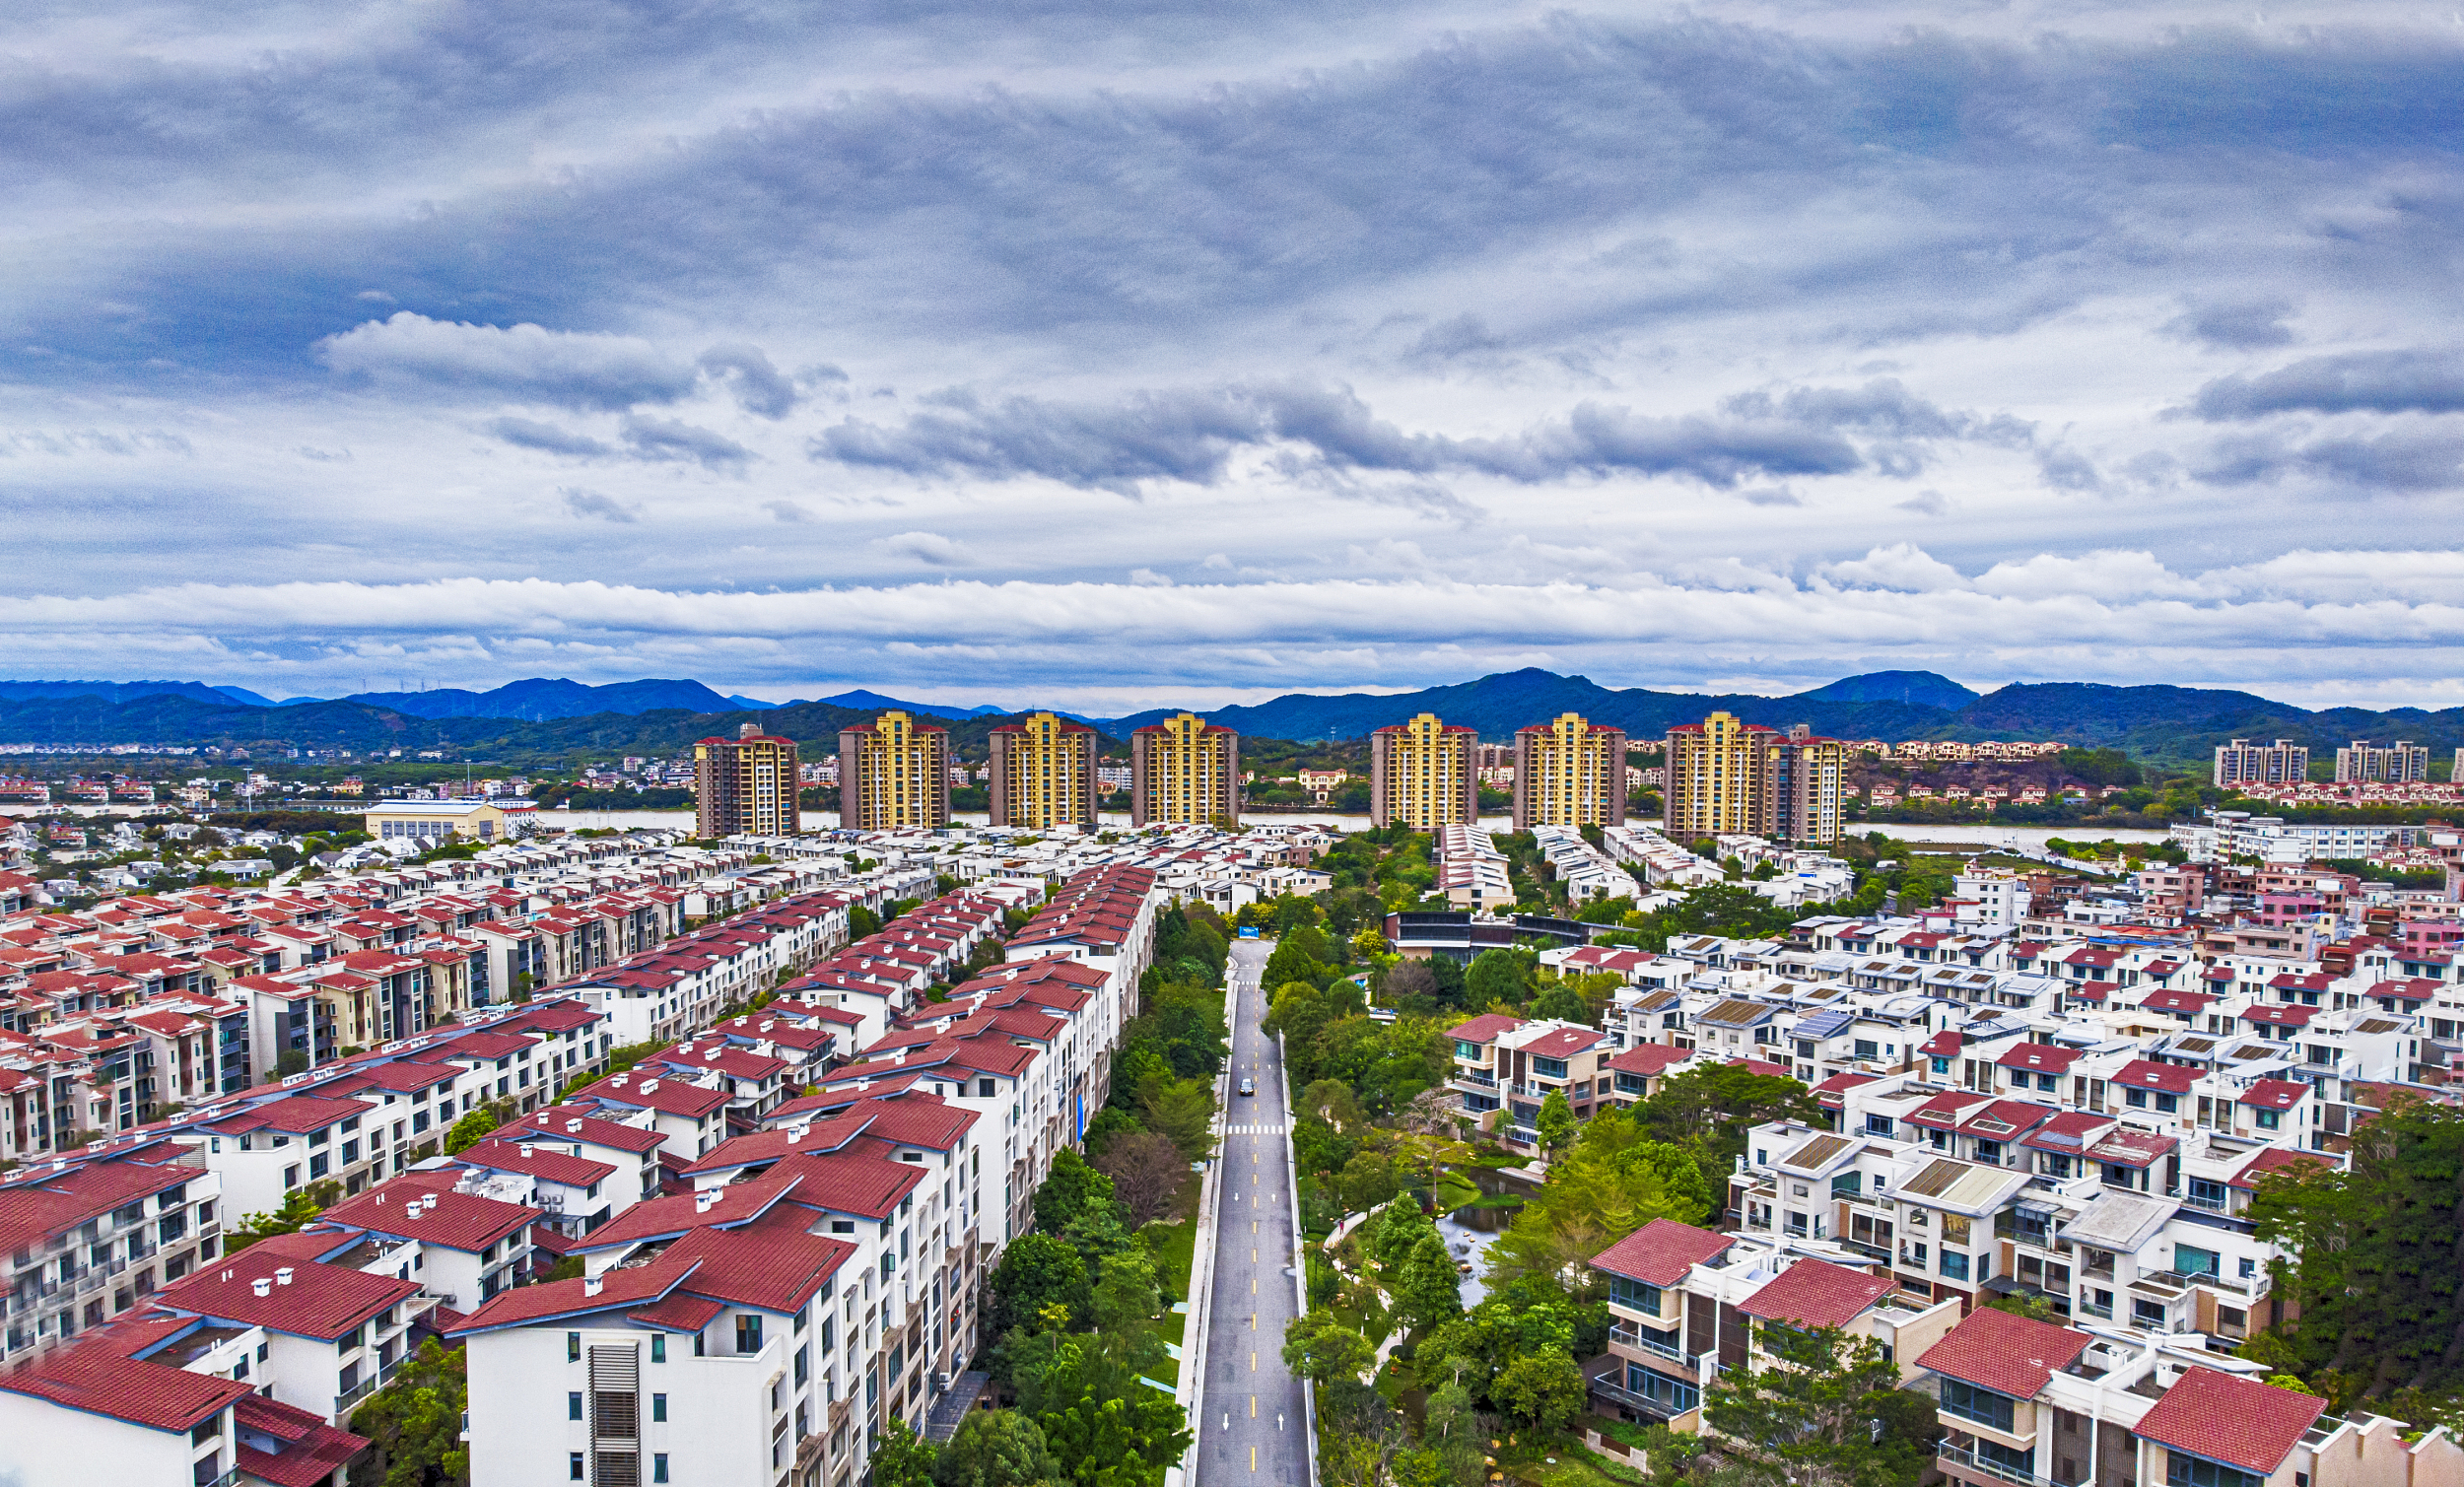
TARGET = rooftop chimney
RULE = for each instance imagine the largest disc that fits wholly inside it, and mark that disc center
(261, 1287)
(647, 1085)
(529, 1150)
(593, 1287)
(571, 1126)
(702, 1200)
(282, 1277)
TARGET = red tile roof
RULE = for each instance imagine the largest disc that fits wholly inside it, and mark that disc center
(2038, 1058)
(543, 1162)
(2277, 1159)
(1762, 1066)
(1483, 1028)
(1661, 1251)
(456, 1220)
(1815, 1293)
(2148, 1074)
(625, 1287)
(2273, 1094)
(2010, 1355)
(1560, 1042)
(774, 1266)
(1650, 1058)
(311, 1449)
(2239, 1422)
(321, 1301)
(94, 1377)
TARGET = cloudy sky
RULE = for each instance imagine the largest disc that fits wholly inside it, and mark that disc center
(1164, 351)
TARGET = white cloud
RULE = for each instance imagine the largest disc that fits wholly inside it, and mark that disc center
(1902, 565)
(923, 547)
(527, 363)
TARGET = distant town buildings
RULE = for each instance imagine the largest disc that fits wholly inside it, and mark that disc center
(1042, 773)
(893, 771)
(1184, 770)
(2400, 763)
(744, 785)
(1726, 778)
(1424, 774)
(2242, 762)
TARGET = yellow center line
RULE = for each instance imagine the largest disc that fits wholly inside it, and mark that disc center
(1253, 1363)
(1253, 1407)
(1253, 1458)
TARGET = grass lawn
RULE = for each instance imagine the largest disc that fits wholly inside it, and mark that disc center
(1453, 1190)
(1585, 1470)
(1175, 1247)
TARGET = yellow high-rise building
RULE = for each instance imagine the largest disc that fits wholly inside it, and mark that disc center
(745, 784)
(1424, 774)
(1184, 770)
(1727, 776)
(893, 771)
(1042, 773)
(1569, 771)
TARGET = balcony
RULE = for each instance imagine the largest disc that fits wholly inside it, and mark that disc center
(1953, 1457)
(358, 1392)
(1625, 1334)
(1483, 1081)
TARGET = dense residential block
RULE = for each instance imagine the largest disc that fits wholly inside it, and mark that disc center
(1730, 777)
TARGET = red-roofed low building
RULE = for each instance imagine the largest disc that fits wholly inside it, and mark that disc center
(93, 1413)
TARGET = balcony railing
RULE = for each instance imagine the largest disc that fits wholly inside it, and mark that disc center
(1969, 1460)
(1632, 1401)
(358, 1392)
(1465, 1076)
(1635, 1337)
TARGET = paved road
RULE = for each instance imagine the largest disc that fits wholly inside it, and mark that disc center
(1252, 1433)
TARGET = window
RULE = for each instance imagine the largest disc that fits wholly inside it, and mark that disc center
(2149, 1315)
(2189, 1260)
(2021, 1464)
(211, 1429)
(2269, 1120)
(749, 1332)
(658, 1466)
(1637, 1295)
(1868, 1047)
(658, 1348)
(659, 1409)
(573, 1466)
(1982, 1406)
(1878, 1125)
(2181, 1469)
(572, 1405)
(2136, 1098)
(572, 1347)
(2168, 1104)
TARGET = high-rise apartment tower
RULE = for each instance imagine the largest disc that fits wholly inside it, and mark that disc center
(1569, 771)
(1182, 770)
(1725, 776)
(1424, 774)
(893, 771)
(1042, 773)
(745, 784)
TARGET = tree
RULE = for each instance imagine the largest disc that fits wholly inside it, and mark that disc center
(298, 1206)
(1546, 1389)
(1426, 1291)
(1709, 1109)
(1497, 976)
(1332, 1101)
(901, 1457)
(1555, 1123)
(1409, 985)
(469, 1131)
(1106, 1429)
(1127, 1297)
(995, 1447)
(1069, 1188)
(1318, 1345)
(1398, 1232)
(1109, 1122)
(1183, 1110)
(1811, 1410)
(2379, 1282)
(1369, 942)
(1036, 1272)
(1560, 1001)
(1367, 1181)
(1146, 1170)
(415, 1423)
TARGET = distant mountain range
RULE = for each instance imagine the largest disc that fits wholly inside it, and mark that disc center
(541, 717)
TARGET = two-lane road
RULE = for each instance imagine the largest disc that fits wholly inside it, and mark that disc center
(1252, 1427)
